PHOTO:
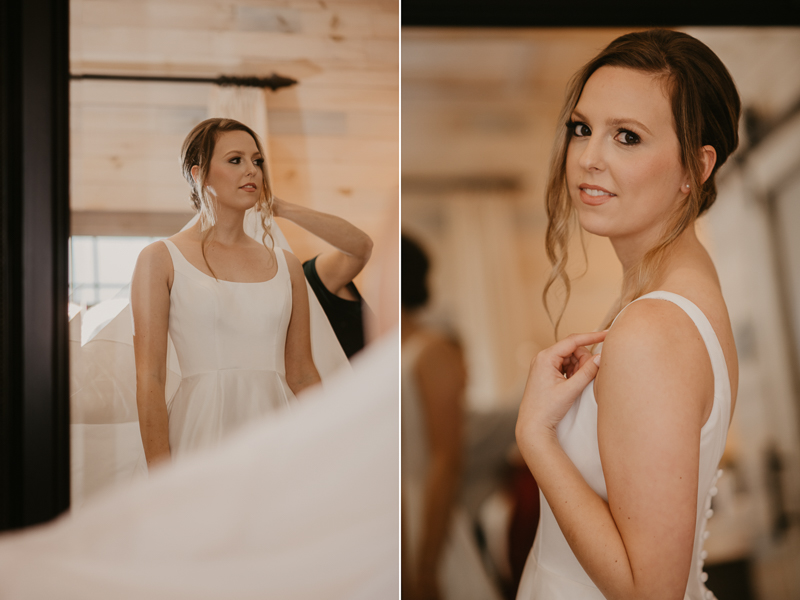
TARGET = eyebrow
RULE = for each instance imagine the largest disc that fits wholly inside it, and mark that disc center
(615, 122)
(241, 153)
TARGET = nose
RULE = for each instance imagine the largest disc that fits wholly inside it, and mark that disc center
(591, 155)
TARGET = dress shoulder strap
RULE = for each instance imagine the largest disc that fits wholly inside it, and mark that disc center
(281, 258)
(719, 366)
(177, 257)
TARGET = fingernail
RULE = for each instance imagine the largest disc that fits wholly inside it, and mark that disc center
(596, 359)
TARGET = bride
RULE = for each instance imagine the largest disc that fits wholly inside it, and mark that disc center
(235, 308)
(627, 462)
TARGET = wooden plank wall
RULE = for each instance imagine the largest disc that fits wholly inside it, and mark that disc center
(333, 137)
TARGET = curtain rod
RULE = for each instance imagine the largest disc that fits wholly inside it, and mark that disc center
(272, 82)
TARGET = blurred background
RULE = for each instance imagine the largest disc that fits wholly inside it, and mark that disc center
(479, 112)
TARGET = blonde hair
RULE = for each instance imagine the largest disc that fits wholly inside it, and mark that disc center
(197, 150)
(705, 109)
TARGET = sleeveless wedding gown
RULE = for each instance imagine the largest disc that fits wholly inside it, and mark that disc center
(106, 446)
(230, 340)
(552, 572)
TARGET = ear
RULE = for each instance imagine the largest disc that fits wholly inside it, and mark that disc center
(195, 172)
(708, 158)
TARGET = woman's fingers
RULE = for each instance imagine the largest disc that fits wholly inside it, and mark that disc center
(583, 375)
(581, 355)
(570, 354)
(570, 344)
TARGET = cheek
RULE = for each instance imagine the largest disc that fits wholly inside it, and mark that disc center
(571, 163)
(220, 176)
(652, 175)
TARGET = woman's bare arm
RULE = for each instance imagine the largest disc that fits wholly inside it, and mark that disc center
(300, 369)
(352, 247)
(653, 394)
(150, 289)
(441, 378)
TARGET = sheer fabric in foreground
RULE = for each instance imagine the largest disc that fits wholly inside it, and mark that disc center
(298, 506)
(552, 572)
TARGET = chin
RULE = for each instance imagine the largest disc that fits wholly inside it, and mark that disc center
(595, 223)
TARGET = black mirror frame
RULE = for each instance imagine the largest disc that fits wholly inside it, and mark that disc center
(34, 233)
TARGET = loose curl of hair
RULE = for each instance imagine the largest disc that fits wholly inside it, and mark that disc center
(705, 110)
(197, 150)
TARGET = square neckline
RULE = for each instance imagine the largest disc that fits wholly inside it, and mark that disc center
(169, 243)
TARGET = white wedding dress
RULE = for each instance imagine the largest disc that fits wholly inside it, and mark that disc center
(224, 367)
(552, 572)
(230, 339)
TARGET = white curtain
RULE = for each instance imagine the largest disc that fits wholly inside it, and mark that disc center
(478, 271)
(247, 105)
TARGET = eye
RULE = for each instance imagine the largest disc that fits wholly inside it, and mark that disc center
(235, 160)
(628, 138)
(579, 129)
(258, 162)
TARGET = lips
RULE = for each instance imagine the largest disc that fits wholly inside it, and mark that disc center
(249, 187)
(594, 195)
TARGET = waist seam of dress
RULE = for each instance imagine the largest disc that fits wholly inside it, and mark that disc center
(223, 369)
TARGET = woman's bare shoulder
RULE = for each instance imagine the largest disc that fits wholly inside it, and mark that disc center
(292, 263)
(155, 259)
(654, 329)
(654, 345)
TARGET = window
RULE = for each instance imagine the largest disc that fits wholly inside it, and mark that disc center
(101, 267)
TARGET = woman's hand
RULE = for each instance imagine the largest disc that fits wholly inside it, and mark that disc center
(555, 380)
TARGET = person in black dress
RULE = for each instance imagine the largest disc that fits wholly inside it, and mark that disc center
(331, 273)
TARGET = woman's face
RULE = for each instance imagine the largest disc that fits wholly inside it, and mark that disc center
(234, 175)
(624, 172)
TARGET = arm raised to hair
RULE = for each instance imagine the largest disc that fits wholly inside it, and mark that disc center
(300, 369)
(352, 247)
(150, 288)
(654, 390)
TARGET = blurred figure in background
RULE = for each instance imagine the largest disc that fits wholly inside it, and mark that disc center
(440, 558)
(331, 273)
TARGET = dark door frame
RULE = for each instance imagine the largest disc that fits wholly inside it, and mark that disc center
(34, 232)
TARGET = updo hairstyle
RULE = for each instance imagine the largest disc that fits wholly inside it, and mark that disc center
(705, 110)
(197, 150)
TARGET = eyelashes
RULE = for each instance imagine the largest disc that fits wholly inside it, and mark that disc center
(578, 129)
(237, 159)
(626, 137)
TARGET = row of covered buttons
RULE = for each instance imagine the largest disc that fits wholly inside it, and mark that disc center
(703, 554)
